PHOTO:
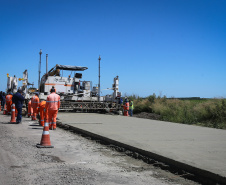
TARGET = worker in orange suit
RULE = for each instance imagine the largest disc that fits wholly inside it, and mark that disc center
(42, 106)
(52, 106)
(9, 102)
(35, 105)
(30, 110)
(46, 119)
(126, 107)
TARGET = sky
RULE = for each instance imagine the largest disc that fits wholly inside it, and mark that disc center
(175, 48)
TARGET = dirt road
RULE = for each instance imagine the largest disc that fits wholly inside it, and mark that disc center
(73, 160)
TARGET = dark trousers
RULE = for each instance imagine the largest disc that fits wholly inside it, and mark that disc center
(19, 114)
(3, 103)
(131, 112)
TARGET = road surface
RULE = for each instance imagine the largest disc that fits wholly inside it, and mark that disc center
(73, 160)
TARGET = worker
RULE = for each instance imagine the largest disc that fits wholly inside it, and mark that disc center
(120, 103)
(130, 107)
(42, 106)
(9, 97)
(2, 100)
(34, 105)
(18, 99)
(126, 107)
(52, 106)
(30, 110)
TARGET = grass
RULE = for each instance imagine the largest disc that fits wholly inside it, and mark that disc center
(203, 112)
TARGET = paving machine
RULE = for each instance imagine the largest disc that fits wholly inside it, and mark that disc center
(77, 94)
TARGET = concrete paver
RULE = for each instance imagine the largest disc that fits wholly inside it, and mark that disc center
(203, 148)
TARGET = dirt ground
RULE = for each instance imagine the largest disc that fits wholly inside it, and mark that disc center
(73, 160)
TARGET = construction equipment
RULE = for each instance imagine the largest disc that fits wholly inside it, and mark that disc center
(75, 93)
(12, 87)
(12, 83)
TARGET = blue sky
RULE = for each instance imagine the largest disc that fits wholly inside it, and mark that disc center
(167, 47)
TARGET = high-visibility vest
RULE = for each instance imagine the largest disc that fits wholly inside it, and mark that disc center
(131, 105)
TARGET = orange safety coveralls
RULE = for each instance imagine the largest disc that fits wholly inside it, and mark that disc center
(30, 110)
(34, 105)
(42, 106)
(52, 106)
(126, 109)
(9, 102)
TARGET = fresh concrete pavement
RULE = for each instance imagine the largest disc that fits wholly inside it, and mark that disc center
(192, 147)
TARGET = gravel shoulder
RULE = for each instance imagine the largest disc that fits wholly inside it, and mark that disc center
(73, 160)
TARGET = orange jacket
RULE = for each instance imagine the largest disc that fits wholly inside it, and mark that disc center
(53, 101)
(42, 104)
(126, 106)
(42, 107)
(30, 110)
(9, 98)
(35, 102)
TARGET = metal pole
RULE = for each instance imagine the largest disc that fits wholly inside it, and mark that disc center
(46, 65)
(40, 53)
(99, 80)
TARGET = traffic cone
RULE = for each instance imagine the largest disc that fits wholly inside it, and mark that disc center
(45, 141)
(13, 118)
(4, 111)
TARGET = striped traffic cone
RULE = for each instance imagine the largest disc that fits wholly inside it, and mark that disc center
(4, 111)
(45, 141)
(13, 118)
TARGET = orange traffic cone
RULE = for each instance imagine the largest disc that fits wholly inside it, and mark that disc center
(13, 118)
(4, 112)
(45, 141)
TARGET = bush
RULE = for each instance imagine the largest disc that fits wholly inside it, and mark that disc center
(210, 113)
(141, 106)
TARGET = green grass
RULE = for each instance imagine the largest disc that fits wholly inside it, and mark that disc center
(203, 112)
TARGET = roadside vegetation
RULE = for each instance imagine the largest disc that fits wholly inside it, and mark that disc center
(196, 111)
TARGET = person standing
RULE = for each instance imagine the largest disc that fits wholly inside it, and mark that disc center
(18, 99)
(42, 111)
(2, 99)
(52, 106)
(29, 110)
(34, 105)
(9, 97)
(126, 107)
(130, 107)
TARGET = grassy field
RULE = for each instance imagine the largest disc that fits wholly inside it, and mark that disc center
(203, 112)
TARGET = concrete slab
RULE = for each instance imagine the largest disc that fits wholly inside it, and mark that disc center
(200, 147)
